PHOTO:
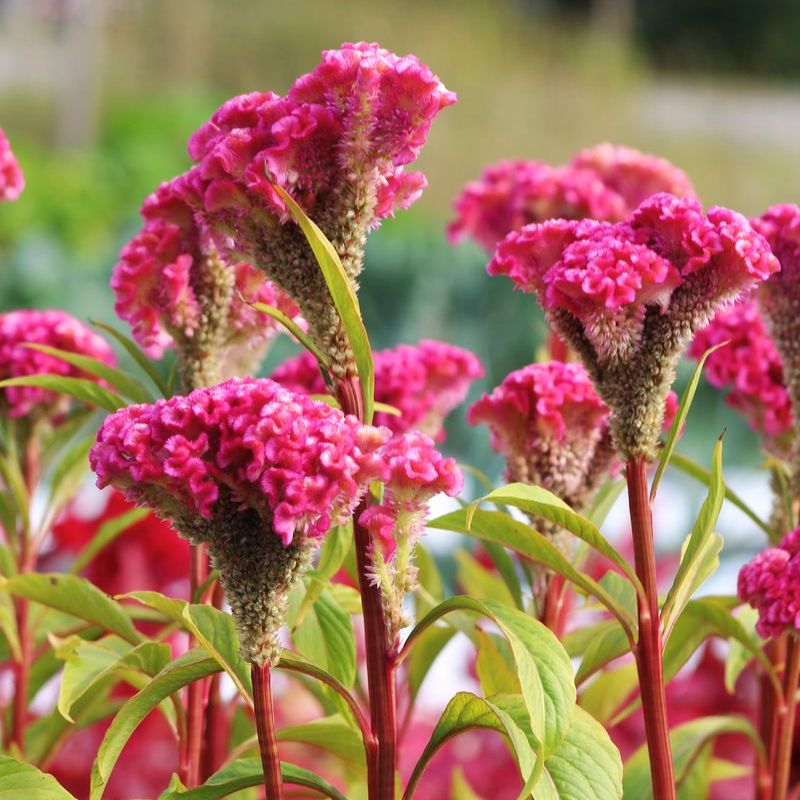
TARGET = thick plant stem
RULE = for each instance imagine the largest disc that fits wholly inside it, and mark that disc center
(782, 745)
(265, 726)
(648, 651)
(769, 703)
(554, 604)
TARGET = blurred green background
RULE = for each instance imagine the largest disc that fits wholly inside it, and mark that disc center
(99, 97)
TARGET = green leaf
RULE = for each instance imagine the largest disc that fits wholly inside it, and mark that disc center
(702, 475)
(538, 502)
(245, 773)
(700, 552)
(479, 581)
(426, 650)
(81, 389)
(293, 328)
(697, 783)
(461, 790)
(18, 779)
(688, 741)
(343, 296)
(8, 625)
(107, 533)
(69, 472)
(333, 552)
(191, 666)
(128, 386)
(334, 735)
(680, 418)
(606, 693)
(611, 644)
(138, 355)
(740, 656)
(507, 569)
(603, 501)
(495, 526)
(75, 596)
(216, 632)
(495, 669)
(170, 607)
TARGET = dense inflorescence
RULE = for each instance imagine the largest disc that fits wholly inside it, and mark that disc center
(424, 382)
(12, 181)
(770, 583)
(629, 296)
(52, 328)
(252, 469)
(605, 182)
(174, 290)
(338, 143)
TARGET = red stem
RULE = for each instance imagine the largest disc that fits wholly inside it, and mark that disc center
(217, 721)
(265, 726)
(775, 650)
(554, 601)
(648, 651)
(781, 765)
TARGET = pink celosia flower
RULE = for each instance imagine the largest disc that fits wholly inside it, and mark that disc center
(770, 583)
(298, 462)
(338, 142)
(12, 181)
(551, 427)
(425, 382)
(172, 287)
(53, 328)
(605, 183)
(750, 367)
(628, 296)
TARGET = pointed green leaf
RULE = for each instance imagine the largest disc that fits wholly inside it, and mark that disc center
(18, 780)
(81, 389)
(426, 650)
(479, 582)
(334, 735)
(106, 534)
(495, 670)
(293, 328)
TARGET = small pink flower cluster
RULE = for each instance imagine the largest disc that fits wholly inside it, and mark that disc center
(416, 472)
(606, 274)
(770, 583)
(347, 128)
(425, 382)
(750, 366)
(53, 328)
(605, 182)
(780, 226)
(12, 181)
(299, 463)
(161, 282)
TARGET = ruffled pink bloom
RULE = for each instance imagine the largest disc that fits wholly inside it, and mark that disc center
(425, 382)
(12, 181)
(164, 283)
(770, 583)
(416, 472)
(53, 328)
(604, 183)
(749, 366)
(780, 226)
(299, 463)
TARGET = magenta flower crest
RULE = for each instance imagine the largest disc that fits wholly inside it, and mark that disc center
(174, 290)
(256, 471)
(53, 328)
(628, 296)
(770, 583)
(12, 181)
(552, 429)
(339, 143)
(425, 382)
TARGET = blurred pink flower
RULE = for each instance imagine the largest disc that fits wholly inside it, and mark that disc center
(12, 181)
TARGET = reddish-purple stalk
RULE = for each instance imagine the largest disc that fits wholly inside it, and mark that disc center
(553, 613)
(648, 654)
(217, 722)
(781, 756)
(381, 657)
(265, 726)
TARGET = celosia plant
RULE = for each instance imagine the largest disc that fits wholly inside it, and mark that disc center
(424, 382)
(12, 181)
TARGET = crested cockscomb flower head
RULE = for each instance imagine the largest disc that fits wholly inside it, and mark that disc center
(174, 290)
(750, 369)
(53, 328)
(770, 583)
(548, 422)
(253, 470)
(780, 226)
(628, 296)
(632, 175)
(12, 181)
(338, 143)
(424, 382)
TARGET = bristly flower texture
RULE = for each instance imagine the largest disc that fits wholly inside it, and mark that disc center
(12, 181)
(605, 182)
(425, 382)
(52, 328)
(254, 470)
(629, 296)
(770, 583)
(173, 288)
(338, 143)
(416, 472)
(749, 366)
(551, 427)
